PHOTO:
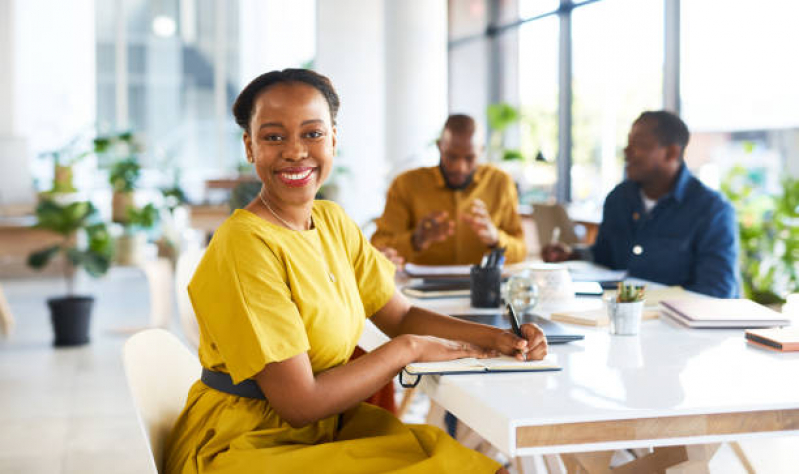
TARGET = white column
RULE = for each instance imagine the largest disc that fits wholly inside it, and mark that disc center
(265, 25)
(47, 84)
(121, 67)
(220, 83)
(349, 45)
(15, 181)
(671, 56)
(416, 80)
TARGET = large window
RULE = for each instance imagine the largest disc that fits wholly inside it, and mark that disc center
(617, 74)
(538, 96)
(186, 62)
(739, 88)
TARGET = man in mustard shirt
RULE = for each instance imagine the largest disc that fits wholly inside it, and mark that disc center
(455, 212)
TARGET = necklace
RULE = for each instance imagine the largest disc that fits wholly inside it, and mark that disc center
(291, 227)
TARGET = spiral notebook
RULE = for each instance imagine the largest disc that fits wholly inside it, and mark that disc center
(473, 366)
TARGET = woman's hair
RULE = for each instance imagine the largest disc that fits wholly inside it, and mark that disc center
(242, 108)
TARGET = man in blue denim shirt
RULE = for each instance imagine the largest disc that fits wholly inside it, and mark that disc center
(661, 223)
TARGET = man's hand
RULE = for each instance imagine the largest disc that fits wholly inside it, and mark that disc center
(480, 221)
(391, 254)
(557, 252)
(434, 227)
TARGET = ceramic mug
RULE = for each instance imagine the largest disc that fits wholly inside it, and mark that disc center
(553, 281)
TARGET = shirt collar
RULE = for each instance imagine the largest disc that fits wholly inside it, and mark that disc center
(478, 174)
(677, 192)
(681, 185)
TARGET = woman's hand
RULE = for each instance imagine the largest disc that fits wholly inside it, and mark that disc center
(533, 346)
(434, 349)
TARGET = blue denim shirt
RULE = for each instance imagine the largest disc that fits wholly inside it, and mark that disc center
(689, 238)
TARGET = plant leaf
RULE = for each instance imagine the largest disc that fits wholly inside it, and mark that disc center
(40, 258)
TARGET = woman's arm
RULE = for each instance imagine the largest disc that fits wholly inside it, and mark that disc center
(300, 397)
(399, 317)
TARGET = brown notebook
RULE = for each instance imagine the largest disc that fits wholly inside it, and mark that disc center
(722, 313)
(780, 339)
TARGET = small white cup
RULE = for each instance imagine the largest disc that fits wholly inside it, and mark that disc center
(553, 281)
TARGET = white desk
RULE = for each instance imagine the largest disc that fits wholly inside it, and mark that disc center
(668, 386)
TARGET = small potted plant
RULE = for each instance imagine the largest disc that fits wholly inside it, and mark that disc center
(123, 176)
(130, 245)
(625, 309)
(71, 314)
(64, 159)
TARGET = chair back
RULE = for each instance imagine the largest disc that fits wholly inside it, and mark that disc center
(160, 370)
(549, 216)
(6, 318)
(184, 270)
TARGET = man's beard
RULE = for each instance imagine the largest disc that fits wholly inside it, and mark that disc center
(455, 187)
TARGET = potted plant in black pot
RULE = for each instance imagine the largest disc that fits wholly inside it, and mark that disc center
(71, 314)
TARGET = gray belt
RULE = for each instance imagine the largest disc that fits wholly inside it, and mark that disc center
(222, 382)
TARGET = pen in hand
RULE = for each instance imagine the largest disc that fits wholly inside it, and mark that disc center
(515, 326)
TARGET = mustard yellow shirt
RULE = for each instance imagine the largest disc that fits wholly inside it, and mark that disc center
(416, 193)
(262, 294)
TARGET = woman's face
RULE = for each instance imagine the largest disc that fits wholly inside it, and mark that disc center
(292, 141)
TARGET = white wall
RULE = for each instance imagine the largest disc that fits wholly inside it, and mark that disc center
(350, 52)
(55, 70)
(388, 60)
(275, 34)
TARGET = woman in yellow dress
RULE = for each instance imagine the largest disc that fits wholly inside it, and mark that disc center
(281, 296)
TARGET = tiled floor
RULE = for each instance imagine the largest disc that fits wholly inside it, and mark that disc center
(65, 411)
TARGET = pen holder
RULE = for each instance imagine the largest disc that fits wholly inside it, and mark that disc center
(485, 286)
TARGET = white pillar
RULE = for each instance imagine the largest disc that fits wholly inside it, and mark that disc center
(47, 84)
(349, 45)
(15, 181)
(264, 25)
(416, 79)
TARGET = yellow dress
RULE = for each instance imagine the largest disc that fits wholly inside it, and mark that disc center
(262, 294)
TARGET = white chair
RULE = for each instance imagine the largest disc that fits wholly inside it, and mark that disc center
(160, 370)
(6, 318)
(186, 265)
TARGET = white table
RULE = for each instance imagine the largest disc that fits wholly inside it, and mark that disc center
(668, 386)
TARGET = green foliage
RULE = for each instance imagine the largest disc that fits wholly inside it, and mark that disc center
(125, 174)
(144, 218)
(768, 227)
(501, 116)
(512, 155)
(63, 219)
(68, 221)
(174, 196)
(630, 293)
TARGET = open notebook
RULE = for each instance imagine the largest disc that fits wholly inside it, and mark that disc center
(502, 364)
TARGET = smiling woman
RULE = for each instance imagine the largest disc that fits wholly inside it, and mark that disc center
(281, 297)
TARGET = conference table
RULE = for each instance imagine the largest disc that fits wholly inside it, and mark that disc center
(670, 386)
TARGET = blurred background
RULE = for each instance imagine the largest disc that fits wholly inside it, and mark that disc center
(87, 87)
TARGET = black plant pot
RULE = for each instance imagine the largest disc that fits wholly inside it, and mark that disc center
(70, 316)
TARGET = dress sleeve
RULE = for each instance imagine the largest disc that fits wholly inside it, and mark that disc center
(374, 273)
(242, 299)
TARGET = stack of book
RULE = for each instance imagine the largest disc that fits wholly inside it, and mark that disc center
(721, 313)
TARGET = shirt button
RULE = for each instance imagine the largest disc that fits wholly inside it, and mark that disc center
(638, 250)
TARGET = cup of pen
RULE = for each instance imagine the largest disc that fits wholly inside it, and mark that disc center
(485, 286)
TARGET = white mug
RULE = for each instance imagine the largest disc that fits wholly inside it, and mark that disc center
(553, 281)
